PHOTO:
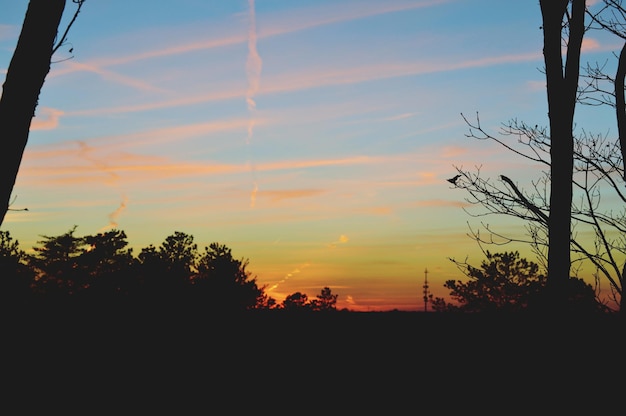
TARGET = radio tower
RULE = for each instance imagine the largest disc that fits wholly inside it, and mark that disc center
(425, 290)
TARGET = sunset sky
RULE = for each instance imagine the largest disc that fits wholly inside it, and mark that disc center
(313, 138)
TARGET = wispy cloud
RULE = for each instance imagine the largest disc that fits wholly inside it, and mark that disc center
(292, 82)
(399, 117)
(173, 134)
(276, 25)
(280, 195)
(46, 119)
(380, 210)
(441, 203)
(343, 239)
(8, 32)
(97, 65)
(64, 167)
(113, 217)
(236, 93)
(107, 75)
(308, 18)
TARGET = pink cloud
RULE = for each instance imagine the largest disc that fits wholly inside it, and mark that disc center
(236, 93)
(73, 66)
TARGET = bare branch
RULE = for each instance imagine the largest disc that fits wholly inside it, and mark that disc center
(61, 42)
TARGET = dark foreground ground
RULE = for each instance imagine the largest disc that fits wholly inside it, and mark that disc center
(182, 361)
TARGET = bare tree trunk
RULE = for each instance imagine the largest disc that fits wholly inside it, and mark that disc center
(27, 71)
(562, 85)
(620, 103)
(620, 107)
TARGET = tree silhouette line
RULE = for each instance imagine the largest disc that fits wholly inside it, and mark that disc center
(506, 282)
(102, 268)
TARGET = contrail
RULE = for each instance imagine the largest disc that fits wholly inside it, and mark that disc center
(85, 152)
(114, 215)
(288, 275)
(253, 72)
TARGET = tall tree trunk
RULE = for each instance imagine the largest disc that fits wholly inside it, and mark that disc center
(620, 104)
(620, 107)
(27, 71)
(562, 86)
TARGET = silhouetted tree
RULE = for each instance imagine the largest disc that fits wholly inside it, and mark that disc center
(612, 18)
(109, 265)
(165, 273)
(150, 273)
(27, 71)
(603, 89)
(224, 282)
(15, 275)
(550, 216)
(56, 265)
(265, 301)
(297, 301)
(325, 301)
(597, 167)
(560, 21)
(504, 282)
(180, 254)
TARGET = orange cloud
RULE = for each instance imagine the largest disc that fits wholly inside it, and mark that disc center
(380, 210)
(342, 240)
(276, 196)
(291, 164)
(442, 203)
(453, 151)
(46, 119)
(589, 44)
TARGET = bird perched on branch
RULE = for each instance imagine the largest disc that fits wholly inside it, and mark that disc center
(453, 180)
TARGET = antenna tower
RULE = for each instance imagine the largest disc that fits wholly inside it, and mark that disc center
(425, 290)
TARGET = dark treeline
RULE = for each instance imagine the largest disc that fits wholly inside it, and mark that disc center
(170, 328)
(505, 282)
(101, 268)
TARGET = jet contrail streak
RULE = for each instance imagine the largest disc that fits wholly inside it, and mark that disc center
(253, 72)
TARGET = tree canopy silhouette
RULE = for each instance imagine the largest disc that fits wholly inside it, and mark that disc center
(100, 268)
(505, 282)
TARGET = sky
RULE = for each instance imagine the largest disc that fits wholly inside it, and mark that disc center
(313, 138)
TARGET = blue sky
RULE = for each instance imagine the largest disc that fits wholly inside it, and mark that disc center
(312, 137)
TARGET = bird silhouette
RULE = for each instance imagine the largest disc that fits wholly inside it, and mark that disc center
(453, 180)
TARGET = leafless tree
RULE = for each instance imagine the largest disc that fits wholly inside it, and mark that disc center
(597, 178)
(563, 24)
(548, 210)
